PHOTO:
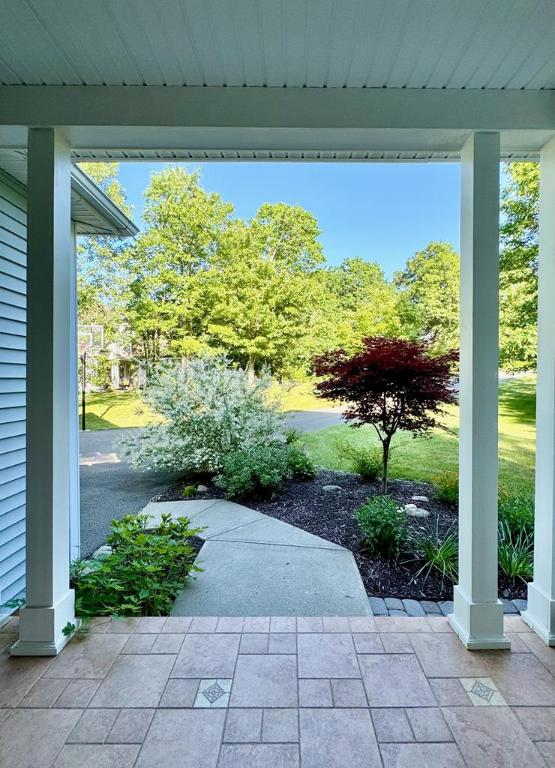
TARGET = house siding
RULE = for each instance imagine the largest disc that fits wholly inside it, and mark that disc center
(13, 246)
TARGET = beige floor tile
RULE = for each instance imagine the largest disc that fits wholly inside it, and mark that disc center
(543, 652)
(18, 675)
(183, 738)
(335, 738)
(491, 737)
(282, 642)
(265, 681)
(177, 624)
(327, 655)
(230, 624)
(315, 693)
(135, 681)
(538, 722)
(449, 692)
(428, 724)
(443, 655)
(336, 624)
(254, 643)
(521, 679)
(123, 625)
(396, 642)
(31, 738)
(205, 655)
(44, 693)
(310, 624)
(180, 692)
(203, 624)
(257, 755)
(168, 643)
(87, 656)
(97, 756)
(77, 693)
(243, 726)
(368, 642)
(280, 726)
(283, 624)
(362, 624)
(139, 643)
(93, 726)
(421, 756)
(348, 693)
(391, 725)
(515, 624)
(131, 726)
(395, 680)
(151, 624)
(402, 624)
(547, 749)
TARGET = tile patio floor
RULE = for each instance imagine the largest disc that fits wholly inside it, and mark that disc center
(279, 693)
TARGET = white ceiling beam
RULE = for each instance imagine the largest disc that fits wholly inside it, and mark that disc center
(254, 107)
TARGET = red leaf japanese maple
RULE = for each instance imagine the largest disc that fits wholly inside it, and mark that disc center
(391, 384)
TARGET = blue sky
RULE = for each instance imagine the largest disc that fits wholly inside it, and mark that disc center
(382, 212)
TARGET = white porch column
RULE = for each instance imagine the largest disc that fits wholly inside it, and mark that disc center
(540, 614)
(73, 408)
(478, 614)
(49, 600)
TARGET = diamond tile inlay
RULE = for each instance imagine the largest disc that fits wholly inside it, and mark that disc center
(215, 692)
(481, 690)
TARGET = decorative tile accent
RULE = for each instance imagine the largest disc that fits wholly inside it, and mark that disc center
(482, 692)
(213, 694)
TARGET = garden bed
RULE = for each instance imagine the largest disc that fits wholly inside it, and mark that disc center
(331, 515)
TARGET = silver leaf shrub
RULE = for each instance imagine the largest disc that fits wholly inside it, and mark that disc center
(208, 409)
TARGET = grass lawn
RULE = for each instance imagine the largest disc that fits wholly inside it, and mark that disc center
(114, 410)
(423, 458)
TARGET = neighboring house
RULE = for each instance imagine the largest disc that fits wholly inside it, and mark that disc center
(92, 213)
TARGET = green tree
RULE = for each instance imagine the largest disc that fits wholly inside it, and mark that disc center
(519, 266)
(429, 295)
(184, 226)
(362, 303)
(260, 300)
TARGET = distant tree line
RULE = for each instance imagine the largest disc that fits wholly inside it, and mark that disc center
(200, 281)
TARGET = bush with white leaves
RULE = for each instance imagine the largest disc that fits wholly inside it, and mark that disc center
(208, 410)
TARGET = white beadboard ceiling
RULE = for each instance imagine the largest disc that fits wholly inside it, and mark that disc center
(474, 44)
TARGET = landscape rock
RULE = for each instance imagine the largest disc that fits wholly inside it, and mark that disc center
(101, 552)
(414, 511)
(332, 488)
(420, 498)
(201, 488)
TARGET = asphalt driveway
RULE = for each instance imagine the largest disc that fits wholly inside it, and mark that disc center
(111, 488)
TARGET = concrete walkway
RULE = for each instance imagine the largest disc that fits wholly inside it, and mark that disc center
(255, 565)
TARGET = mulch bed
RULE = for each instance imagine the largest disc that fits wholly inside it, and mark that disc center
(331, 515)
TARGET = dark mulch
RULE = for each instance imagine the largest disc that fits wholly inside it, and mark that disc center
(331, 515)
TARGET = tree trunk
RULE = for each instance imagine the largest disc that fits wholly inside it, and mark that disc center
(251, 370)
(385, 447)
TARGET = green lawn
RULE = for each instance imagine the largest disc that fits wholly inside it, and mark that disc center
(423, 458)
(114, 410)
(418, 459)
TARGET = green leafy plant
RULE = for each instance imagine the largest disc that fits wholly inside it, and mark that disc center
(188, 491)
(259, 470)
(438, 553)
(366, 462)
(144, 572)
(69, 629)
(516, 552)
(447, 486)
(383, 526)
(516, 512)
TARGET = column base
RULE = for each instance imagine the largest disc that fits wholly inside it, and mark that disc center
(540, 614)
(478, 625)
(40, 629)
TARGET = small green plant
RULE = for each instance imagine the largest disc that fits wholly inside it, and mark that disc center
(516, 552)
(144, 572)
(366, 462)
(440, 554)
(188, 491)
(383, 526)
(300, 462)
(516, 512)
(69, 629)
(447, 486)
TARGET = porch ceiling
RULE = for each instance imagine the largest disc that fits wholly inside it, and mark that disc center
(492, 44)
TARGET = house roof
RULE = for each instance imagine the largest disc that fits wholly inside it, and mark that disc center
(91, 210)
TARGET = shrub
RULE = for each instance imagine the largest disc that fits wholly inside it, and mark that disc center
(259, 470)
(208, 410)
(440, 554)
(447, 486)
(516, 552)
(144, 572)
(517, 513)
(366, 462)
(383, 526)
